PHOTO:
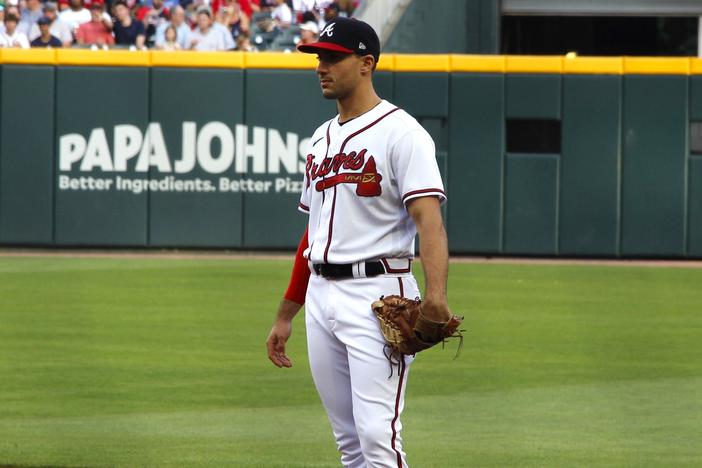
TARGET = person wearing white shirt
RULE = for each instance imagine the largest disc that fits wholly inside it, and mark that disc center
(11, 37)
(281, 14)
(181, 27)
(205, 37)
(76, 15)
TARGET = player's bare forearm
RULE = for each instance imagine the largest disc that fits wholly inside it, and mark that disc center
(433, 248)
(287, 310)
(280, 332)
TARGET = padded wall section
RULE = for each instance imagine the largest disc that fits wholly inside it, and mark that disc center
(197, 131)
(26, 154)
(93, 205)
(589, 209)
(655, 124)
(476, 148)
(531, 204)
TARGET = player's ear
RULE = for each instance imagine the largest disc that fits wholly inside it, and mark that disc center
(367, 64)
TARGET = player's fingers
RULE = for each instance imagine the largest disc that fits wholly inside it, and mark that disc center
(282, 358)
(273, 354)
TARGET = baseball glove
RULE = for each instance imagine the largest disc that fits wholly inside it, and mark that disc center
(407, 330)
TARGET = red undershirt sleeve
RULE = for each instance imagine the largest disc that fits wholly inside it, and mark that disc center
(297, 289)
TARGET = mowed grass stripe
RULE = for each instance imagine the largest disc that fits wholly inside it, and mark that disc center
(161, 362)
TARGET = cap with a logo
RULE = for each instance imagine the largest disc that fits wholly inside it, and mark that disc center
(346, 35)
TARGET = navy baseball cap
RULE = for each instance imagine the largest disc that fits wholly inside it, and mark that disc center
(346, 35)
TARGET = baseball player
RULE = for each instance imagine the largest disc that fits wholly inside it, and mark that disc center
(371, 184)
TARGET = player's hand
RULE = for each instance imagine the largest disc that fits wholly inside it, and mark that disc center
(435, 310)
(281, 331)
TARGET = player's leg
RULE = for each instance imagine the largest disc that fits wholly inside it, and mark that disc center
(330, 372)
(378, 389)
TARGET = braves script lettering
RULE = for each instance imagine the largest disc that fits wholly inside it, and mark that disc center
(367, 181)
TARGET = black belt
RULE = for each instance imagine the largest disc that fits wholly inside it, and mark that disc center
(336, 270)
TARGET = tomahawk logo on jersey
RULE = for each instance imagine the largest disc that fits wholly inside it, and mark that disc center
(357, 175)
(367, 180)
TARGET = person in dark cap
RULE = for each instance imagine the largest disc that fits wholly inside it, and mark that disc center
(57, 28)
(371, 184)
(45, 38)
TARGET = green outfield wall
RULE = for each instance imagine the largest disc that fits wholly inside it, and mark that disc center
(554, 156)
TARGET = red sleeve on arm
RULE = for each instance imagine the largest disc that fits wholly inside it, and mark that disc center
(297, 289)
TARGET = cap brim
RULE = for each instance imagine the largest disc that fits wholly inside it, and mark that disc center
(315, 47)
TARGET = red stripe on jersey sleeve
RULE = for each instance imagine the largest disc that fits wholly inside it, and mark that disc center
(424, 193)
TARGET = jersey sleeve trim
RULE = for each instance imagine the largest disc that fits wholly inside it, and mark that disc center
(425, 193)
(304, 208)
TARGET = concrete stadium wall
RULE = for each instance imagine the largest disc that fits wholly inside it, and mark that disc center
(205, 150)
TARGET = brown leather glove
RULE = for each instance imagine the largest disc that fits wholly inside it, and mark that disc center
(405, 328)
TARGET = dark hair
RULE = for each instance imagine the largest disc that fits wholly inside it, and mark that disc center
(120, 2)
(308, 16)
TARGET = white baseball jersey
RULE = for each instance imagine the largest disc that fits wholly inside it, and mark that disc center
(358, 178)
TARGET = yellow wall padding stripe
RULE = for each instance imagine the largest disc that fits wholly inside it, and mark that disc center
(193, 59)
(31, 56)
(421, 63)
(533, 64)
(121, 58)
(443, 63)
(593, 65)
(477, 63)
(656, 66)
(294, 60)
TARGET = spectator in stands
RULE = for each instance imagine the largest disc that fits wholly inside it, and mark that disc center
(243, 44)
(331, 12)
(234, 18)
(127, 30)
(347, 7)
(12, 37)
(58, 28)
(300, 7)
(29, 16)
(170, 39)
(282, 15)
(205, 37)
(181, 27)
(249, 7)
(221, 25)
(75, 14)
(97, 31)
(7, 10)
(153, 17)
(309, 32)
(45, 39)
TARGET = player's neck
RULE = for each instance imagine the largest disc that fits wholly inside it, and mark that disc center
(358, 103)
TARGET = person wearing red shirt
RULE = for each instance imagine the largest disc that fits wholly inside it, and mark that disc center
(96, 31)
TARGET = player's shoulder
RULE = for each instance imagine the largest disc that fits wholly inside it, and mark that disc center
(403, 123)
(321, 131)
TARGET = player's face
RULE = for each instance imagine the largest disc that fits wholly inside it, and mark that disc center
(339, 73)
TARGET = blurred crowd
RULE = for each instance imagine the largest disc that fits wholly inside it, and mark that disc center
(206, 25)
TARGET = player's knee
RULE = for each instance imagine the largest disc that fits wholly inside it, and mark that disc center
(375, 434)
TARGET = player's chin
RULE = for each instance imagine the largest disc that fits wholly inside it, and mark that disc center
(329, 93)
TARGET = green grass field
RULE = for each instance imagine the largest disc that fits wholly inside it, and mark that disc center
(162, 362)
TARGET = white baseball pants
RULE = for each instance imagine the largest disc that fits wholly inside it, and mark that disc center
(362, 395)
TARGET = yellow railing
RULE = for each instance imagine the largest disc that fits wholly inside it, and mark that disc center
(388, 62)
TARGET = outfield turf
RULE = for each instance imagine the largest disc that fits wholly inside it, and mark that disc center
(162, 362)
